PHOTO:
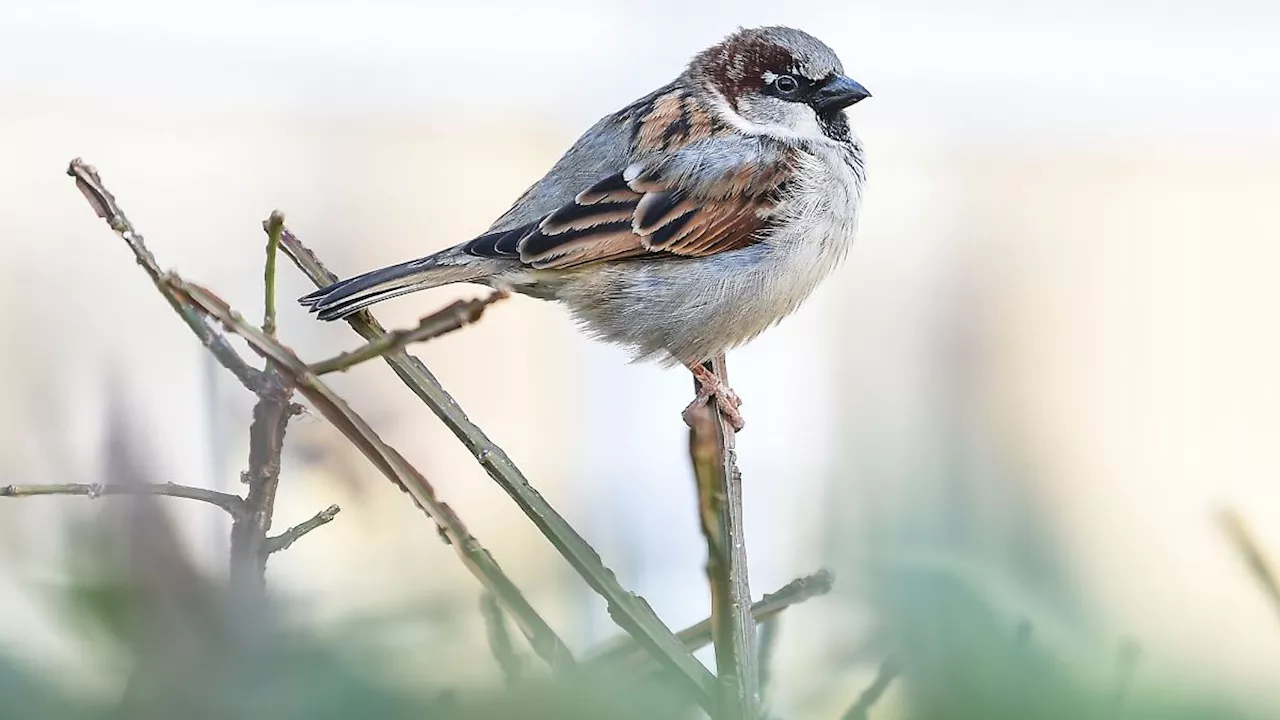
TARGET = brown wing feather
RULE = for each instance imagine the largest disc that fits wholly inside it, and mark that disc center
(646, 214)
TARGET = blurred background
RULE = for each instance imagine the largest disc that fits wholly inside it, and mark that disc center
(1048, 362)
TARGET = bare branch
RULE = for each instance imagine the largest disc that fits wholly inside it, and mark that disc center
(478, 560)
(454, 317)
(499, 640)
(711, 448)
(233, 504)
(629, 610)
(266, 444)
(274, 224)
(287, 538)
(699, 634)
(104, 203)
(861, 708)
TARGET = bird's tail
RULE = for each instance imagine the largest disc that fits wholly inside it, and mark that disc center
(352, 295)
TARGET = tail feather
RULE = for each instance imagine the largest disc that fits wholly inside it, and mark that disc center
(354, 294)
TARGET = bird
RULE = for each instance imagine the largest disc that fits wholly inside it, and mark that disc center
(684, 224)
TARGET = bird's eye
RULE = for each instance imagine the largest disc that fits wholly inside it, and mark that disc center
(785, 84)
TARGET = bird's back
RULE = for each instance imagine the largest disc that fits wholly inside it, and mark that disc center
(602, 150)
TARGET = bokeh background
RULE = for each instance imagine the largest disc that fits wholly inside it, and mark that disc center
(1049, 360)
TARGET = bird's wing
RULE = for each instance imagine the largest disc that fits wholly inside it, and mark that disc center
(699, 192)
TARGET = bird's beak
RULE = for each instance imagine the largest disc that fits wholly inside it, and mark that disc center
(837, 94)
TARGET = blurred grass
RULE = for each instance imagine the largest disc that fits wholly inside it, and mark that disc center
(137, 603)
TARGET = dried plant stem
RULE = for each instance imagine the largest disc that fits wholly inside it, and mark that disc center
(733, 628)
(454, 317)
(478, 560)
(630, 611)
(287, 538)
(271, 413)
(104, 204)
(233, 504)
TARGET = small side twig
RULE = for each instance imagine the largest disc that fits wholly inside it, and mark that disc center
(632, 613)
(861, 708)
(104, 204)
(453, 317)
(232, 504)
(711, 448)
(287, 538)
(499, 639)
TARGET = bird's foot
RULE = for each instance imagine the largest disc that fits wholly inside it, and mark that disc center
(711, 386)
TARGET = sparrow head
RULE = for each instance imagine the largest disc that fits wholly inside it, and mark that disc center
(779, 81)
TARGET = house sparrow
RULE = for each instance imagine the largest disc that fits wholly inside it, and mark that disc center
(684, 224)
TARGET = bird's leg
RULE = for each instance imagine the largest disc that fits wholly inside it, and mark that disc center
(709, 386)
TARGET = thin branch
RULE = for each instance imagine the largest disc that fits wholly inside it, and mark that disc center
(1259, 564)
(698, 635)
(630, 611)
(478, 560)
(104, 204)
(453, 317)
(861, 708)
(266, 444)
(284, 540)
(711, 448)
(233, 504)
(274, 224)
(499, 639)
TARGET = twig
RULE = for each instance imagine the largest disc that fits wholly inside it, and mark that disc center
(697, 635)
(104, 204)
(233, 504)
(453, 317)
(274, 224)
(861, 709)
(287, 538)
(499, 640)
(1257, 560)
(266, 443)
(478, 560)
(630, 611)
(711, 447)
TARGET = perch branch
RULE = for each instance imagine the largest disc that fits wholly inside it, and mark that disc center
(451, 318)
(697, 635)
(478, 560)
(104, 204)
(711, 448)
(630, 611)
(233, 504)
(287, 538)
